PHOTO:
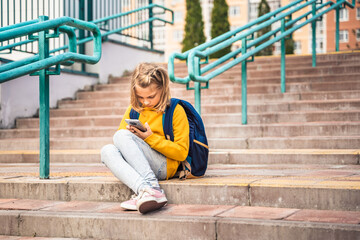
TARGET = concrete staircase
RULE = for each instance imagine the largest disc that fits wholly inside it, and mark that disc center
(292, 173)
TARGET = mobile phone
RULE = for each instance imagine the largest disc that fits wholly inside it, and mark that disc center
(136, 123)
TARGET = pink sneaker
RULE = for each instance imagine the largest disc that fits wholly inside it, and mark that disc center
(130, 204)
(150, 200)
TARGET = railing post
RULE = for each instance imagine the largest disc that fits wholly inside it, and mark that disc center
(89, 12)
(313, 26)
(283, 52)
(81, 31)
(44, 105)
(197, 87)
(151, 37)
(337, 20)
(244, 83)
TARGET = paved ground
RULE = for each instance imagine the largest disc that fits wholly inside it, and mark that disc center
(339, 176)
(231, 197)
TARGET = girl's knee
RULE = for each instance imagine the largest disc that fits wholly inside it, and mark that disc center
(121, 137)
(107, 151)
(121, 134)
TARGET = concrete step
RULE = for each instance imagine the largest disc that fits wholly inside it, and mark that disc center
(259, 118)
(291, 63)
(311, 105)
(115, 91)
(303, 142)
(221, 130)
(333, 56)
(26, 217)
(7, 237)
(216, 156)
(263, 71)
(322, 187)
(221, 80)
(235, 107)
(328, 70)
(117, 101)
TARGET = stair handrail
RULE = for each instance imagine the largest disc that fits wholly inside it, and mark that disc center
(218, 39)
(194, 55)
(62, 24)
(41, 66)
(98, 22)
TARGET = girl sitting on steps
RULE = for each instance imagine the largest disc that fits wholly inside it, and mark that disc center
(139, 159)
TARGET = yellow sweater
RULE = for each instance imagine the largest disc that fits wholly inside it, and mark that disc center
(176, 151)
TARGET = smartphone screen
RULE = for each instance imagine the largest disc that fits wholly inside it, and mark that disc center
(136, 123)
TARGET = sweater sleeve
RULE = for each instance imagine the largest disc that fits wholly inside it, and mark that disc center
(177, 150)
(125, 116)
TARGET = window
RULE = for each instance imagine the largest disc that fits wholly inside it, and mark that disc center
(126, 3)
(358, 13)
(178, 35)
(358, 34)
(344, 15)
(253, 12)
(234, 11)
(297, 46)
(253, 9)
(178, 16)
(320, 46)
(233, 27)
(160, 2)
(320, 27)
(174, 2)
(159, 36)
(343, 36)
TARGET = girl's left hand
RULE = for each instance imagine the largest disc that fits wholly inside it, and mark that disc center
(139, 133)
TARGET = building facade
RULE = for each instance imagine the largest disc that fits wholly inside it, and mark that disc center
(349, 29)
(243, 11)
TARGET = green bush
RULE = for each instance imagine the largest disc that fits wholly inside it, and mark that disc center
(262, 10)
(220, 24)
(194, 26)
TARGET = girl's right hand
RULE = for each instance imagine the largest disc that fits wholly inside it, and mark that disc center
(139, 133)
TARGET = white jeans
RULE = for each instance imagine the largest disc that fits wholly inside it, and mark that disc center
(134, 162)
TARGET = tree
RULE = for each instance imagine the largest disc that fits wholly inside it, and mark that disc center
(262, 10)
(194, 26)
(220, 24)
(289, 43)
(289, 46)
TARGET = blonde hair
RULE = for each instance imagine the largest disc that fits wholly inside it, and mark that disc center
(143, 76)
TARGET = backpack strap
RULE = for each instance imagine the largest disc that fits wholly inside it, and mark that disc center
(134, 114)
(168, 119)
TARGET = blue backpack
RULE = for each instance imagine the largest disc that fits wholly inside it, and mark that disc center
(196, 162)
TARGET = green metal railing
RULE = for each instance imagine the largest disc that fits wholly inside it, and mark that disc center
(15, 11)
(123, 28)
(100, 23)
(249, 46)
(40, 64)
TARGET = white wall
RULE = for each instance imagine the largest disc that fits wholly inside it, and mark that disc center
(117, 58)
(20, 97)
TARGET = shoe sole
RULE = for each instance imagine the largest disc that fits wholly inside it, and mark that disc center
(149, 206)
(128, 207)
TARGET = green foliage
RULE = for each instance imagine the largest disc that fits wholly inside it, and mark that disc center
(263, 9)
(289, 43)
(194, 26)
(220, 24)
(289, 46)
